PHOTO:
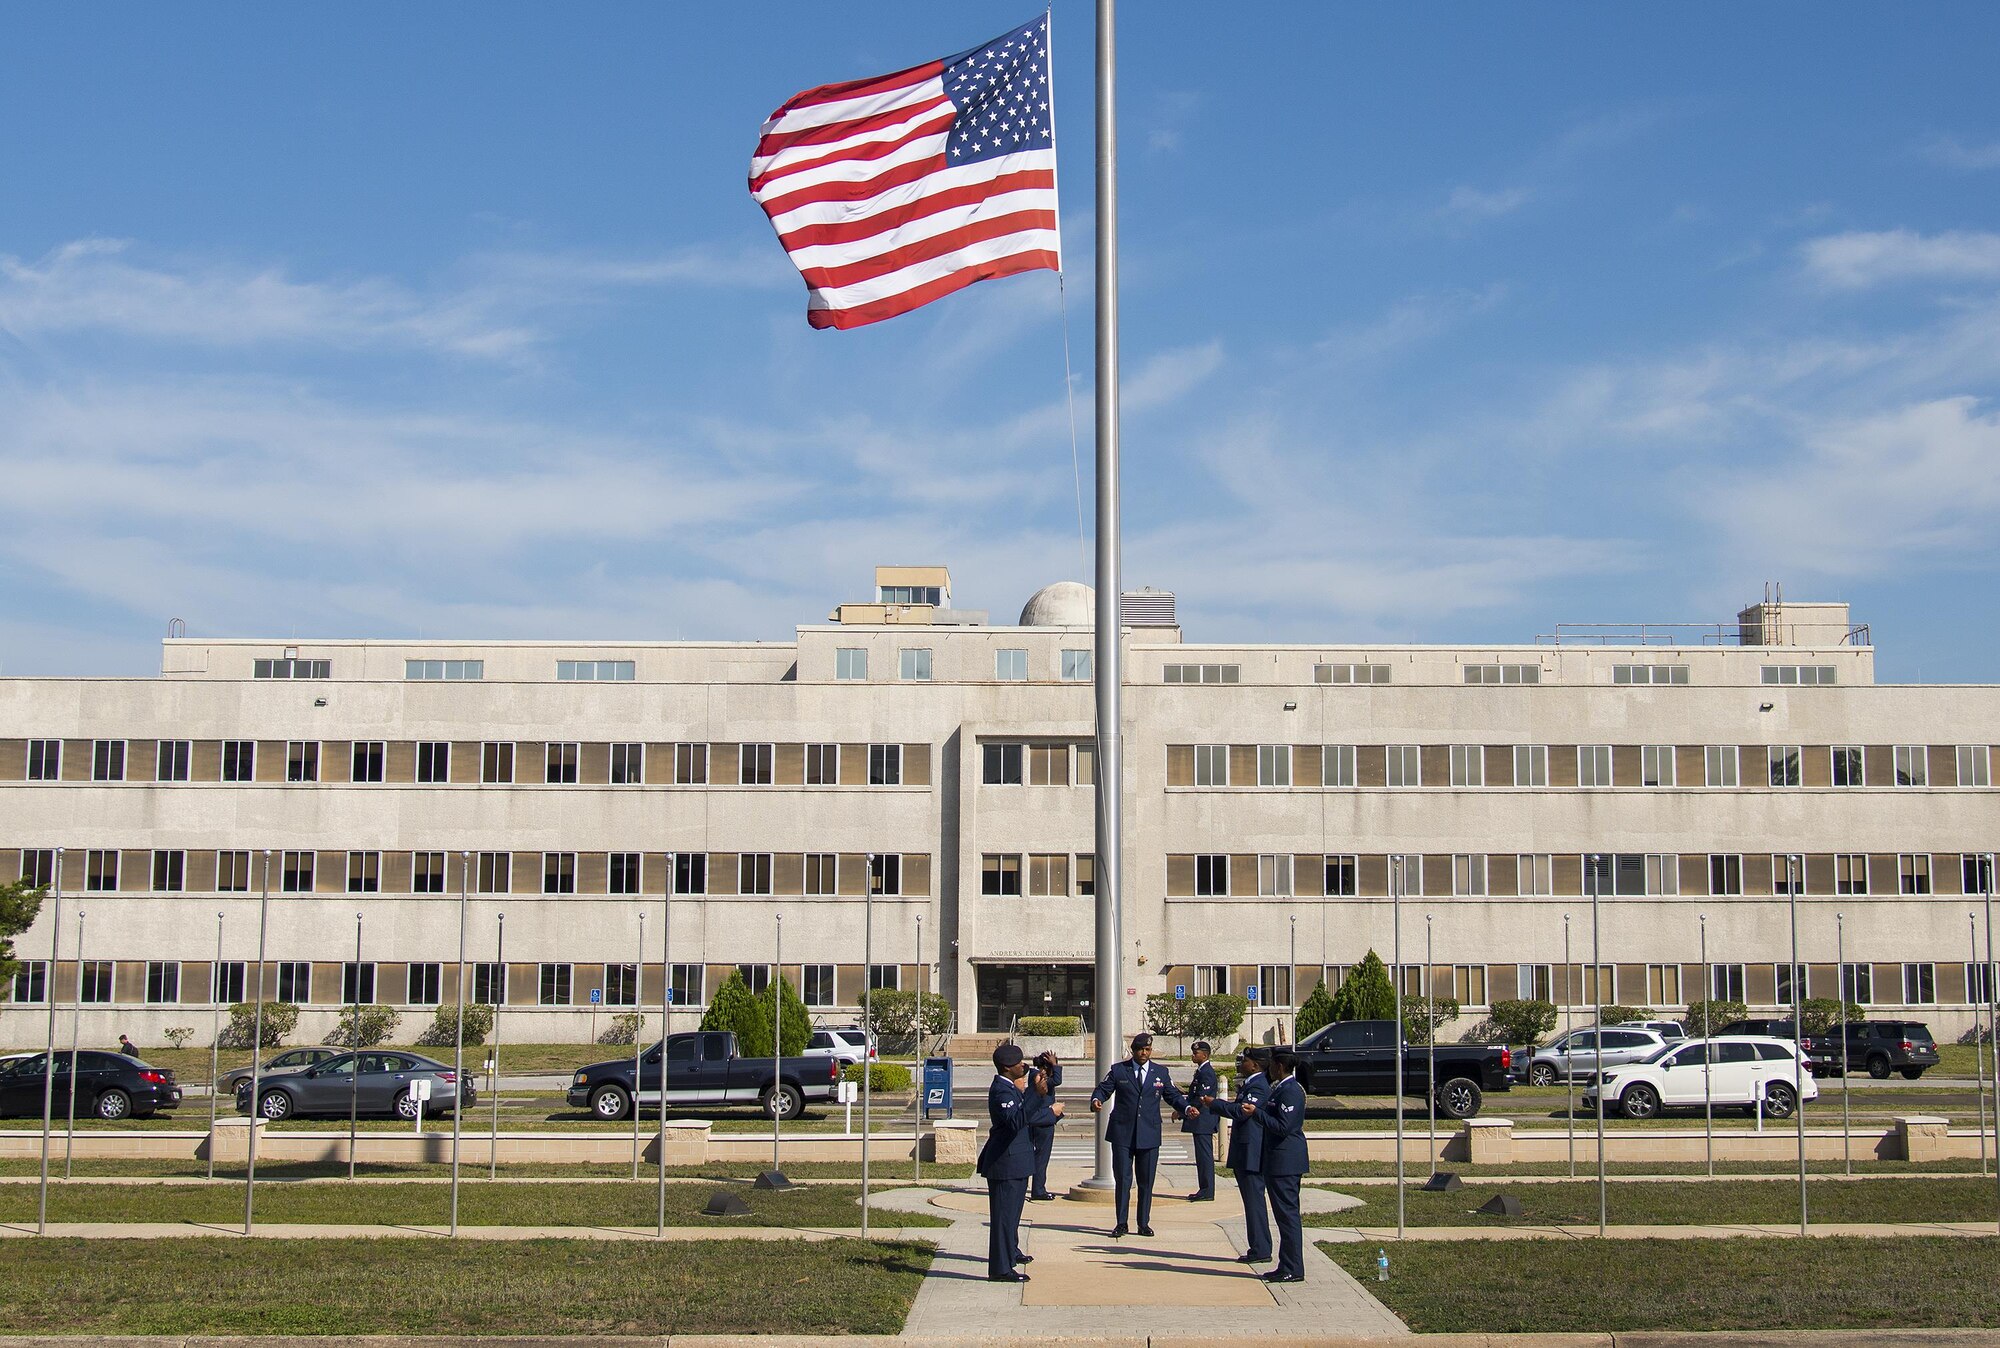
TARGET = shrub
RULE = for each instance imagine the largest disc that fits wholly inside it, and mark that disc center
(365, 1026)
(623, 1029)
(1819, 1015)
(797, 1025)
(1049, 1026)
(1366, 993)
(1167, 1014)
(736, 1009)
(1614, 1012)
(1216, 1017)
(1316, 1011)
(280, 1019)
(882, 1076)
(1522, 1022)
(893, 1013)
(443, 1030)
(1705, 1018)
(1422, 1016)
(178, 1035)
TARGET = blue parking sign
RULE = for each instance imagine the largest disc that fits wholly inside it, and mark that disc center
(1252, 993)
(1180, 992)
(596, 996)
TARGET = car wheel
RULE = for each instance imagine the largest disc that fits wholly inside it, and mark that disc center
(609, 1102)
(275, 1105)
(1779, 1100)
(1878, 1067)
(1542, 1074)
(1913, 1072)
(1458, 1098)
(408, 1106)
(114, 1104)
(784, 1103)
(1639, 1101)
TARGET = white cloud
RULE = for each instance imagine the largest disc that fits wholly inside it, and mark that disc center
(1472, 203)
(1964, 156)
(1409, 322)
(1855, 260)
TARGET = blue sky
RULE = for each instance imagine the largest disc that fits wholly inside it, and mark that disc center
(1442, 323)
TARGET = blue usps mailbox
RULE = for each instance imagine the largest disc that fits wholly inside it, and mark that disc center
(937, 1086)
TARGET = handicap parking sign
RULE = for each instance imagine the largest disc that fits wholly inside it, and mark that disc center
(1252, 994)
(596, 996)
(1180, 992)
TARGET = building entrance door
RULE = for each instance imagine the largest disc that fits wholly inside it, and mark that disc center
(1010, 990)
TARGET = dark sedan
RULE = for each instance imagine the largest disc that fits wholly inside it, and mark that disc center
(107, 1085)
(389, 1083)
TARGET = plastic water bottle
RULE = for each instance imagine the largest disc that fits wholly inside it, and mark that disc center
(1381, 1265)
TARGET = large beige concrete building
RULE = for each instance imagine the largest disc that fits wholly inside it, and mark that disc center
(946, 763)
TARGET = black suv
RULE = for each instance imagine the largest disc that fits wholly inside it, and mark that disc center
(108, 1086)
(1885, 1046)
(1822, 1051)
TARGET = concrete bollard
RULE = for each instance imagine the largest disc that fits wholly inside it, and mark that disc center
(686, 1143)
(1489, 1141)
(229, 1140)
(954, 1142)
(1922, 1137)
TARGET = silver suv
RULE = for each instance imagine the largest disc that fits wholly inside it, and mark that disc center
(1574, 1055)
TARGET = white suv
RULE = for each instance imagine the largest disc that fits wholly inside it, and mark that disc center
(839, 1041)
(1749, 1072)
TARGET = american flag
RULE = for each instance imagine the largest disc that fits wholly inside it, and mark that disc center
(891, 192)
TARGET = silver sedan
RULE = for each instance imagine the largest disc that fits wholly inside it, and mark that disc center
(388, 1083)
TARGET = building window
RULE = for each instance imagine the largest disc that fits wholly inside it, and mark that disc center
(1274, 985)
(885, 977)
(1809, 674)
(1342, 879)
(291, 667)
(302, 761)
(1850, 873)
(1920, 984)
(425, 985)
(913, 665)
(1847, 765)
(885, 765)
(1857, 983)
(1787, 977)
(558, 872)
(1405, 765)
(1912, 765)
(690, 765)
(1211, 765)
(822, 873)
(932, 595)
(169, 872)
(1468, 875)
(559, 762)
(239, 760)
(1086, 875)
(621, 985)
(1468, 765)
(427, 872)
(171, 762)
(496, 872)
(1593, 765)
(1663, 874)
(1535, 982)
(94, 982)
(1720, 762)
(38, 867)
(1913, 870)
(1350, 673)
(753, 873)
(1727, 982)
(753, 764)
(1211, 875)
(1048, 875)
(1468, 983)
(1784, 881)
(691, 873)
(816, 984)
(1077, 666)
(885, 874)
(596, 671)
(434, 761)
(1979, 984)
(1410, 869)
(1204, 673)
(1636, 674)
(364, 872)
(1274, 875)
(1784, 760)
(756, 977)
(452, 670)
(1656, 765)
(232, 872)
(1274, 765)
(1622, 874)
(621, 873)
(1725, 874)
(628, 764)
(553, 985)
(44, 761)
(1974, 766)
(1531, 765)
(1663, 985)
(690, 985)
(1000, 876)
(228, 981)
(1336, 765)
(107, 760)
(496, 763)
(1975, 871)
(365, 764)
(163, 981)
(1210, 979)
(850, 662)
(1010, 664)
(296, 872)
(1000, 764)
(100, 870)
(1503, 673)
(294, 981)
(822, 765)
(489, 983)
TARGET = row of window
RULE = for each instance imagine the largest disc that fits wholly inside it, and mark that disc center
(1611, 875)
(431, 762)
(1527, 765)
(604, 671)
(1031, 764)
(913, 664)
(813, 874)
(1498, 673)
(175, 982)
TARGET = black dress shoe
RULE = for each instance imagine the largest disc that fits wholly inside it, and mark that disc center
(1253, 1258)
(1201, 1198)
(1275, 1276)
(1145, 1230)
(1024, 1259)
(1041, 1198)
(1117, 1231)
(1006, 1277)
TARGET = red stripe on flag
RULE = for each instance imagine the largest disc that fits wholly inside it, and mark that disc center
(879, 84)
(923, 250)
(873, 150)
(780, 141)
(860, 190)
(848, 231)
(863, 314)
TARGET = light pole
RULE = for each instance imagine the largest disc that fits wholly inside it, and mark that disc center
(1792, 881)
(354, 1062)
(1569, 1027)
(867, 1025)
(49, 1054)
(1846, 1126)
(257, 1051)
(1396, 957)
(1978, 1049)
(778, 1036)
(917, 1123)
(1597, 1035)
(1430, 1044)
(75, 1041)
(1292, 978)
(458, 1060)
(1707, 1054)
(499, 1003)
(638, 1037)
(666, 1023)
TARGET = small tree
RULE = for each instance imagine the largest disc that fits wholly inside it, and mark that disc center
(280, 1019)
(19, 904)
(1616, 1013)
(1316, 1011)
(1366, 993)
(739, 1011)
(178, 1035)
(1422, 1016)
(1216, 1017)
(1167, 1014)
(364, 1027)
(443, 1029)
(894, 1014)
(624, 1029)
(797, 1025)
(1706, 1018)
(1524, 1021)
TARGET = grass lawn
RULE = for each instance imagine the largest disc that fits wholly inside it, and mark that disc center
(328, 1287)
(428, 1204)
(1689, 1203)
(880, 1171)
(1550, 1286)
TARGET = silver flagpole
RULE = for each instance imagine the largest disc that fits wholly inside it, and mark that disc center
(1707, 1054)
(868, 1026)
(777, 1033)
(1846, 1119)
(917, 1151)
(1793, 879)
(257, 1052)
(49, 1054)
(75, 1042)
(1110, 762)
(638, 1038)
(1569, 1051)
(458, 1050)
(214, 1045)
(1402, 1065)
(1978, 1048)
(1992, 1012)
(666, 1023)
(1597, 1018)
(499, 1005)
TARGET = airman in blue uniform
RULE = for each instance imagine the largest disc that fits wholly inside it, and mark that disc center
(1246, 1151)
(1283, 1115)
(1204, 1125)
(1008, 1158)
(1135, 1088)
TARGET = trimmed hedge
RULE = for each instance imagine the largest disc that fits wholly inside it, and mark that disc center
(1052, 1027)
(882, 1076)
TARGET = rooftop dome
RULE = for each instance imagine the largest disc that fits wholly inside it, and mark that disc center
(1067, 603)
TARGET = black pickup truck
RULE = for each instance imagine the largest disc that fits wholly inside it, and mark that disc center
(1357, 1057)
(703, 1067)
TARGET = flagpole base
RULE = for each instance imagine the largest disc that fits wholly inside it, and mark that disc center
(1092, 1190)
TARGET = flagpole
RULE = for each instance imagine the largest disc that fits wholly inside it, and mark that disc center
(1110, 765)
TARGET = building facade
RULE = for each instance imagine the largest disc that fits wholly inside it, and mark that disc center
(613, 814)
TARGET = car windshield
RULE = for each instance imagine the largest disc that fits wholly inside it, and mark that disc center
(1659, 1053)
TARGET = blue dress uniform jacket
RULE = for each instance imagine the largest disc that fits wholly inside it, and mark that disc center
(1205, 1084)
(1284, 1115)
(1136, 1093)
(1007, 1159)
(1044, 1134)
(1246, 1159)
